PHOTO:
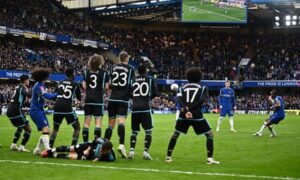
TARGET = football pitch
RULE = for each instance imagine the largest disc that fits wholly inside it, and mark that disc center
(195, 11)
(242, 155)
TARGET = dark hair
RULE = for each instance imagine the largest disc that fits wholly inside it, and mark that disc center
(95, 61)
(193, 75)
(23, 78)
(40, 74)
(69, 72)
(107, 145)
(142, 70)
(274, 93)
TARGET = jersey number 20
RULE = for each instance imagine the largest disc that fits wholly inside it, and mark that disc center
(140, 89)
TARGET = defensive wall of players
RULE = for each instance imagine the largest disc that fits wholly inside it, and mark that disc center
(211, 84)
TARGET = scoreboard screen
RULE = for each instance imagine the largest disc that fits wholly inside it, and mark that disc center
(214, 11)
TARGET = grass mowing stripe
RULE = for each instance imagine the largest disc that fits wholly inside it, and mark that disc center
(150, 170)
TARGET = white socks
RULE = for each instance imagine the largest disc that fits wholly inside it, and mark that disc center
(45, 139)
(262, 128)
(231, 122)
(219, 122)
(39, 144)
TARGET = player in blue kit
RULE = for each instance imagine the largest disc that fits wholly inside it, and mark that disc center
(276, 117)
(37, 113)
(227, 105)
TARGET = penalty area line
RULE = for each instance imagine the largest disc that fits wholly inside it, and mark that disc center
(149, 170)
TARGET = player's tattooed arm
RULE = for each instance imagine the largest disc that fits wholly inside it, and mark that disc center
(84, 85)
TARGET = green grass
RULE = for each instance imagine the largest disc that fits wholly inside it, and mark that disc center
(208, 12)
(239, 153)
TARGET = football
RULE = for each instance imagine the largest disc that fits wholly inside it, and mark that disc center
(174, 87)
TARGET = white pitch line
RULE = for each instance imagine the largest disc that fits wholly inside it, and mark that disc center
(217, 14)
(151, 170)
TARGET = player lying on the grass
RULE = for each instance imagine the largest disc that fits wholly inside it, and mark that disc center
(120, 82)
(17, 117)
(143, 90)
(95, 84)
(227, 105)
(98, 150)
(277, 116)
(37, 113)
(66, 90)
(191, 96)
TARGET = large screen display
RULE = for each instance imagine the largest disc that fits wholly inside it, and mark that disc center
(214, 11)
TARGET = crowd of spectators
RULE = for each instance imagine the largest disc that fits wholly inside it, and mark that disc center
(15, 55)
(164, 102)
(43, 16)
(273, 56)
(217, 56)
